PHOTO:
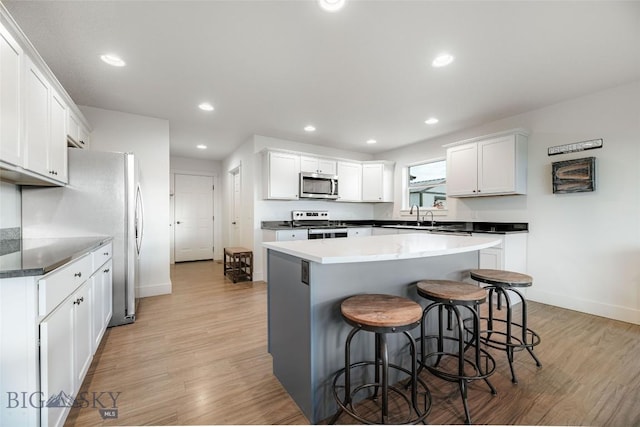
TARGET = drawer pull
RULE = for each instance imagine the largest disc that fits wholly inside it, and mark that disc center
(106, 254)
(78, 274)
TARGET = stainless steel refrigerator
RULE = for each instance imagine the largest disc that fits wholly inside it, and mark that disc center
(102, 198)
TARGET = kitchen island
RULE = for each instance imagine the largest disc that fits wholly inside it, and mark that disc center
(309, 279)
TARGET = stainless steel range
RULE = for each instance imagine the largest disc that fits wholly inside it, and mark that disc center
(318, 224)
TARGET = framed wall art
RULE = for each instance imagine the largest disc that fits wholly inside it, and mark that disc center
(574, 176)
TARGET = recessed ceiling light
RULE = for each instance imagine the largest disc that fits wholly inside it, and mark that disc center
(371, 141)
(431, 121)
(205, 106)
(442, 60)
(201, 146)
(114, 60)
(331, 5)
(309, 128)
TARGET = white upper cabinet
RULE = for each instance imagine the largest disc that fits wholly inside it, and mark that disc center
(45, 125)
(11, 57)
(37, 117)
(489, 167)
(78, 134)
(282, 175)
(349, 182)
(85, 137)
(57, 161)
(462, 170)
(377, 182)
(36, 120)
(317, 165)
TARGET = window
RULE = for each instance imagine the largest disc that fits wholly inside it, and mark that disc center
(427, 184)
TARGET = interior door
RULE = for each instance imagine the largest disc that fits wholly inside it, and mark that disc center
(193, 217)
(236, 195)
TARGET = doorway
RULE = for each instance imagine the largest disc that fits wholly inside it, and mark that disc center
(193, 217)
(235, 207)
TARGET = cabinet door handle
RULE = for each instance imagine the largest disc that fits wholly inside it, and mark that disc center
(78, 274)
(106, 254)
(178, 222)
(78, 300)
(105, 271)
(82, 142)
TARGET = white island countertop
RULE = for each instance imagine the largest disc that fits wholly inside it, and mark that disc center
(381, 248)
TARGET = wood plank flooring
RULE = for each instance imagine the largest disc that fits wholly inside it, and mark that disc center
(199, 357)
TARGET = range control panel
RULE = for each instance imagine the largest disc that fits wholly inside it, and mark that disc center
(310, 215)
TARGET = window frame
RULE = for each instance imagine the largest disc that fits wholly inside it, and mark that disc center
(405, 188)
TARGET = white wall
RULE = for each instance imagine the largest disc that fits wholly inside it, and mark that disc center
(189, 166)
(583, 249)
(255, 209)
(148, 138)
(10, 205)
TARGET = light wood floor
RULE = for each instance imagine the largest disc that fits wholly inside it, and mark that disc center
(199, 356)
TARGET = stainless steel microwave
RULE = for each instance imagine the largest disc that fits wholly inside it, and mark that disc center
(318, 186)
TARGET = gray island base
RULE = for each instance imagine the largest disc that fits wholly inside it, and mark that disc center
(307, 281)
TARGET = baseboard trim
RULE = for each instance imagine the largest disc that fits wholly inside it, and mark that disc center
(154, 290)
(610, 311)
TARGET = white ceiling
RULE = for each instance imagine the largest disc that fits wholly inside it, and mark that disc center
(272, 67)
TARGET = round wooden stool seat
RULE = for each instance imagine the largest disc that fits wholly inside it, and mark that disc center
(381, 311)
(502, 278)
(451, 291)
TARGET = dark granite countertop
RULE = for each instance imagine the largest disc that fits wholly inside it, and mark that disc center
(453, 226)
(35, 257)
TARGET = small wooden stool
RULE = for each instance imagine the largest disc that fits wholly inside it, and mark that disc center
(238, 264)
(381, 314)
(501, 281)
(453, 295)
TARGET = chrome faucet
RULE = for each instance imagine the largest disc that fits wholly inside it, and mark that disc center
(432, 221)
(417, 213)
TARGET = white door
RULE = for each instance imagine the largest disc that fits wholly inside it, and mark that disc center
(193, 217)
(236, 196)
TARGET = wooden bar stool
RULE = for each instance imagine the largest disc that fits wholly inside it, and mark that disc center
(501, 281)
(238, 264)
(382, 315)
(448, 363)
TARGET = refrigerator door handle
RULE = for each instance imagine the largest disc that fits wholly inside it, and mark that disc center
(139, 221)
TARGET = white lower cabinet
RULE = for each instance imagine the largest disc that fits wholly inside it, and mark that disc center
(66, 351)
(359, 232)
(510, 254)
(82, 334)
(284, 235)
(46, 348)
(382, 231)
(101, 297)
(57, 375)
